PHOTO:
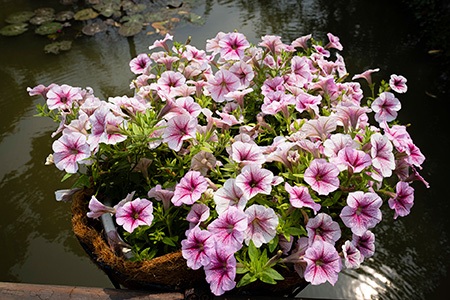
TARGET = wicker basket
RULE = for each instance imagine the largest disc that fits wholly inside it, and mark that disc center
(168, 273)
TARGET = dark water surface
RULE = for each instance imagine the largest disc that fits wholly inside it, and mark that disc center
(412, 260)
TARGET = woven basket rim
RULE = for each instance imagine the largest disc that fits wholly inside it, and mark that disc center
(165, 273)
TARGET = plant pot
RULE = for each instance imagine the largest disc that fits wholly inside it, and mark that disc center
(167, 273)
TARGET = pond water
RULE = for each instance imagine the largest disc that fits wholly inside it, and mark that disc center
(412, 260)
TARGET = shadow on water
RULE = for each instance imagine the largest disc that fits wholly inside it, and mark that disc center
(412, 260)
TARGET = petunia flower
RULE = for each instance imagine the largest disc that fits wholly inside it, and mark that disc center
(386, 107)
(382, 156)
(232, 46)
(262, 224)
(322, 176)
(323, 228)
(365, 243)
(299, 197)
(367, 75)
(352, 256)
(97, 209)
(221, 84)
(179, 128)
(199, 212)
(362, 211)
(254, 180)
(301, 42)
(70, 150)
(220, 272)
(229, 228)
(160, 194)
(333, 42)
(403, 200)
(134, 213)
(356, 160)
(140, 63)
(196, 246)
(320, 127)
(323, 263)
(337, 142)
(229, 195)
(247, 153)
(189, 189)
(62, 96)
(398, 83)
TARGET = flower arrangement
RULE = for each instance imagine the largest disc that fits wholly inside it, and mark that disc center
(248, 158)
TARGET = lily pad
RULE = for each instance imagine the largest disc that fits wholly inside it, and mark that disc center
(49, 28)
(44, 11)
(196, 19)
(41, 19)
(108, 8)
(57, 47)
(14, 29)
(85, 14)
(65, 15)
(19, 17)
(133, 8)
(130, 29)
(94, 28)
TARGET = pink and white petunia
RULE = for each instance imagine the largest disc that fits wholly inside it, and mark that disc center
(161, 194)
(398, 83)
(336, 142)
(356, 160)
(221, 84)
(140, 63)
(247, 153)
(62, 97)
(386, 107)
(323, 263)
(323, 228)
(229, 195)
(403, 200)
(254, 180)
(179, 128)
(167, 84)
(220, 272)
(244, 72)
(362, 211)
(367, 75)
(189, 189)
(262, 224)
(232, 46)
(196, 246)
(229, 228)
(299, 197)
(365, 244)
(333, 42)
(382, 156)
(320, 128)
(352, 256)
(199, 213)
(322, 176)
(70, 150)
(134, 213)
(97, 209)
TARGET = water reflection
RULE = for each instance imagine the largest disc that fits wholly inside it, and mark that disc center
(413, 254)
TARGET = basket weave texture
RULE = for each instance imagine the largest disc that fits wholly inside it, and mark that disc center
(167, 273)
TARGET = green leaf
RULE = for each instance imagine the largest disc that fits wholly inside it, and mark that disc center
(246, 279)
(66, 176)
(274, 274)
(253, 252)
(296, 231)
(168, 241)
(266, 278)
